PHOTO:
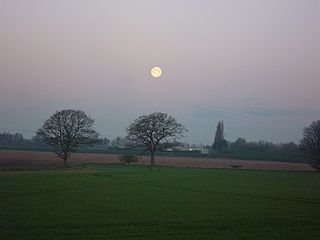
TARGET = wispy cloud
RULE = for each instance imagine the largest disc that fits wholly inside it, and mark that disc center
(224, 112)
(254, 101)
(219, 112)
(268, 123)
(273, 112)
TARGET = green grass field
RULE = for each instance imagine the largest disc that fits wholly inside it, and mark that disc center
(120, 202)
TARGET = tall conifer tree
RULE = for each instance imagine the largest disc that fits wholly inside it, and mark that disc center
(219, 141)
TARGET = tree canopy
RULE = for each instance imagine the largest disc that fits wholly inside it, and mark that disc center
(66, 130)
(154, 132)
(310, 143)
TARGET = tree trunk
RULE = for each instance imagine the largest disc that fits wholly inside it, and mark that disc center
(152, 159)
(65, 160)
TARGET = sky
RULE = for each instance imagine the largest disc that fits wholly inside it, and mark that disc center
(253, 64)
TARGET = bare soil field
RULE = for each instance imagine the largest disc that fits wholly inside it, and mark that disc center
(29, 160)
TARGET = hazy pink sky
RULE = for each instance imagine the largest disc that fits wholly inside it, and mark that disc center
(254, 64)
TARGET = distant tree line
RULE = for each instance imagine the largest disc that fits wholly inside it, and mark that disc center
(67, 130)
(8, 139)
(262, 146)
(17, 140)
(220, 144)
(264, 150)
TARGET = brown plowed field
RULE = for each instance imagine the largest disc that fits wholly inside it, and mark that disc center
(29, 159)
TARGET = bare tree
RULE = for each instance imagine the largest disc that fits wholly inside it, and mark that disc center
(310, 143)
(154, 132)
(66, 130)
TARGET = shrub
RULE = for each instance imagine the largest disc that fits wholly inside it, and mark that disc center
(128, 158)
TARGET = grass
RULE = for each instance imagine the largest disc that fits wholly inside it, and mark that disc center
(134, 202)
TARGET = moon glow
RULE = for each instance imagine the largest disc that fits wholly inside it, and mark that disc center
(156, 72)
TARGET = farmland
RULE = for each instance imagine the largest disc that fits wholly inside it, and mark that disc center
(22, 160)
(100, 200)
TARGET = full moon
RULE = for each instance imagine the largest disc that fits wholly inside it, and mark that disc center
(156, 72)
